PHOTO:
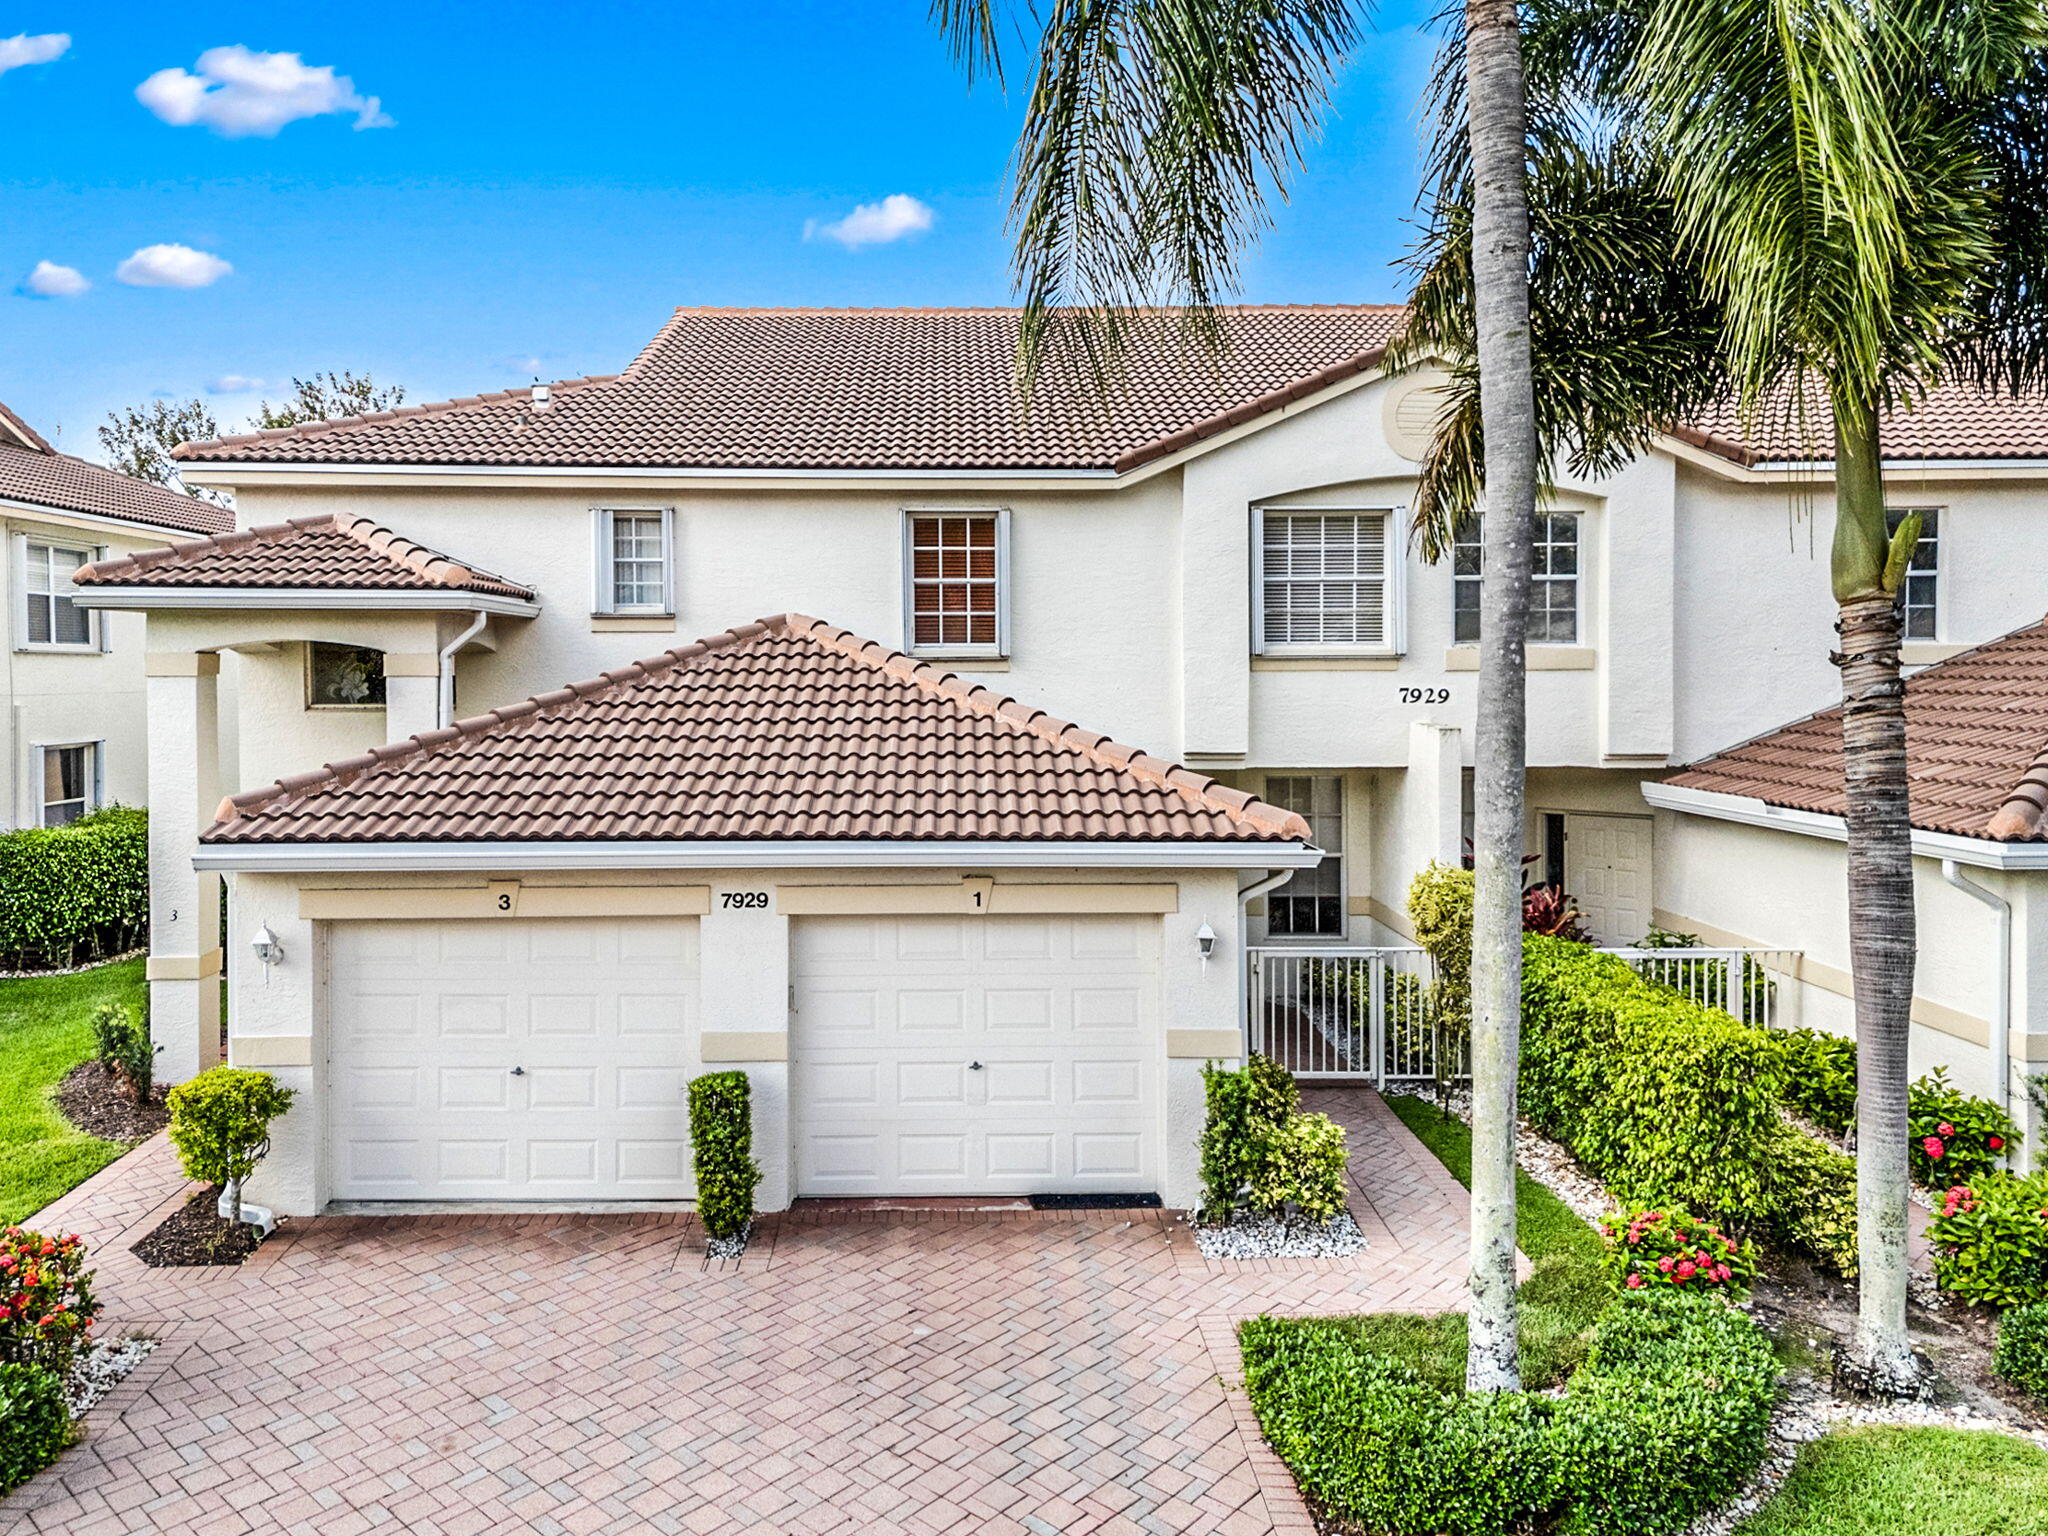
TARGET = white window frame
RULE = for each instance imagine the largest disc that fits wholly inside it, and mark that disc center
(95, 625)
(1340, 854)
(96, 776)
(1394, 603)
(1577, 579)
(1001, 648)
(604, 589)
(1940, 515)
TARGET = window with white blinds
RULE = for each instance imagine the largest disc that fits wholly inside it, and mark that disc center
(1327, 581)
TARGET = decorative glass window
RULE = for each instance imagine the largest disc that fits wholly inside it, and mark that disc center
(344, 677)
(1918, 612)
(635, 560)
(1312, 903)
(1327, 581)
(1553, 582)
(956, 581)
(53, 616)
(70, 782)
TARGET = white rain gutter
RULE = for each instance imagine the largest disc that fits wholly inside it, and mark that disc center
(2001, 1004)
(791, 853)
(444, 712)
(370, 599)
(1977, 852)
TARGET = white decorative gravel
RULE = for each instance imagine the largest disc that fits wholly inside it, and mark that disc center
(99, 1367)
(728, 1247)
(1272, 1237)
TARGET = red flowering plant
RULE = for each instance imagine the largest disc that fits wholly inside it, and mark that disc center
(1672, 1248)
(46, 1301)
(1954, 1138)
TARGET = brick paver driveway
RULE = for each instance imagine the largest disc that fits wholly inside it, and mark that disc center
(859, 1372)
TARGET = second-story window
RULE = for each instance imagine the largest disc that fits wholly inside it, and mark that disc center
(1553, 588)
(52, 615)
(954, 583)
(635, 564)
(1917, 599)
(1327, 581)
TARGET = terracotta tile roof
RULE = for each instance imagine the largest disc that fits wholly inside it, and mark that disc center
(329, 551)
(32, 471)
(788, 728)
(866, 389)
(1976, 747)
(1955, 421)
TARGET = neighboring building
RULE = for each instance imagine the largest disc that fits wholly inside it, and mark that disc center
(72, 689)
(1215, 564)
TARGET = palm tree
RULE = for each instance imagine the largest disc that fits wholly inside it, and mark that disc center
(1156, 133)
(1846, 202)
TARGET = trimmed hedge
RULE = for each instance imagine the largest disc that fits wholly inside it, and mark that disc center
(35, 1423)
(1666, 1418)
(1820, 1077)
(71, 895)
(722, 1140)
(1991, 1240)
(2021, 1355)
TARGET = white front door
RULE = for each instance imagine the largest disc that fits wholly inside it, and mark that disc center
(1607, 870)
(976, 1055)
(512, 1059)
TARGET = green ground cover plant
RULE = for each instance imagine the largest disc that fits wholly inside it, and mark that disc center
(1915, 1482)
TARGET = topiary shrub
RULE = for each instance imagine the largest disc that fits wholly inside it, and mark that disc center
(1954, 1137)
(46, 1302)
(124, 1049)
(1668, 1415)
(73, 894)
(722, 1143)
(1991, 1240)
(220, 1124)
(35, 1423)
(1820, 1077)
(1300, 1162)
(2021, 1355)
(1241, 1105)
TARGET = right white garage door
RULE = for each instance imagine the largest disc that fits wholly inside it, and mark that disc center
(989, 1055)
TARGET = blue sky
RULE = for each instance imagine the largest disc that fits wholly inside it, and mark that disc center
(554, 179)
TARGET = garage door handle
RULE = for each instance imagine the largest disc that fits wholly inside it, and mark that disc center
(519, 1071)
(974, 1066)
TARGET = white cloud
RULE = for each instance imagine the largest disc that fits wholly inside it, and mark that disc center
(238, 92)
(522, 362)
(50, 281)
(895, 216)
(39, 49)
(171, 266)
(234, 384)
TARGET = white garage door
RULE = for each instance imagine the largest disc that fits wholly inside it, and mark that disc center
(942, 1055)
(517, 1059)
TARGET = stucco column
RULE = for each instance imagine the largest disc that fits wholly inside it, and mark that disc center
(411, 693)
(184, 905)
(1436, 781)
(744, 987)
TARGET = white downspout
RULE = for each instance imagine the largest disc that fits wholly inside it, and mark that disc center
(1244, 990)
(444, 713)
(2001, 1005)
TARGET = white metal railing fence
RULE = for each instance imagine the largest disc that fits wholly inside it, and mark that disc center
(1367, 1013)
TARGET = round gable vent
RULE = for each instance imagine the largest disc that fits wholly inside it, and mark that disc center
(1410, 416)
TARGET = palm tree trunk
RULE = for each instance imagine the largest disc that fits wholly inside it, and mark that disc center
(1881, 923)
(1498, 127)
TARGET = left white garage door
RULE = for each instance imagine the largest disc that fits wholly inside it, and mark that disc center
(519, 1059)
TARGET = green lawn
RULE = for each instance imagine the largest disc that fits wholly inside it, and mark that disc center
(1941, 1482)
(45, 1031)
(1566, 1290)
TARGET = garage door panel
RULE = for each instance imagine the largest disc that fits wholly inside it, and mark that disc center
(430, 1019)
(1060, 1012)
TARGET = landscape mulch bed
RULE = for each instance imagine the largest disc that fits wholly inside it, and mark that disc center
(91, 1099)
(196, 1234)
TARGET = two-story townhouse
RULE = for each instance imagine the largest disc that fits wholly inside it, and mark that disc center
(72, 687)
(960, 945)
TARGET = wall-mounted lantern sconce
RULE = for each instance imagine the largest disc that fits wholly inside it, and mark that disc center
(1205, 941)
(269, 948)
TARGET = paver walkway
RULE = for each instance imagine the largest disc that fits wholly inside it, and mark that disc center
(885, 1372)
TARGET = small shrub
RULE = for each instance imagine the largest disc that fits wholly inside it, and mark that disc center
(1673, 1248)
(1954, 1136)
(1991, 1240)
(220, 1124)
(124, 1048)
(1820, 1077)
(1810, 1199)
(35, 1424)
(1548, 910)
(1242, 1106)
(1440, 907)
(73, 894)
(2021, 1355)
(46, 1301)
(722, 1140)
(1300, 1162)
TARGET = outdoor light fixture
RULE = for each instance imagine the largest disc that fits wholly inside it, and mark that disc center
(270, 951)
(1205, 941)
